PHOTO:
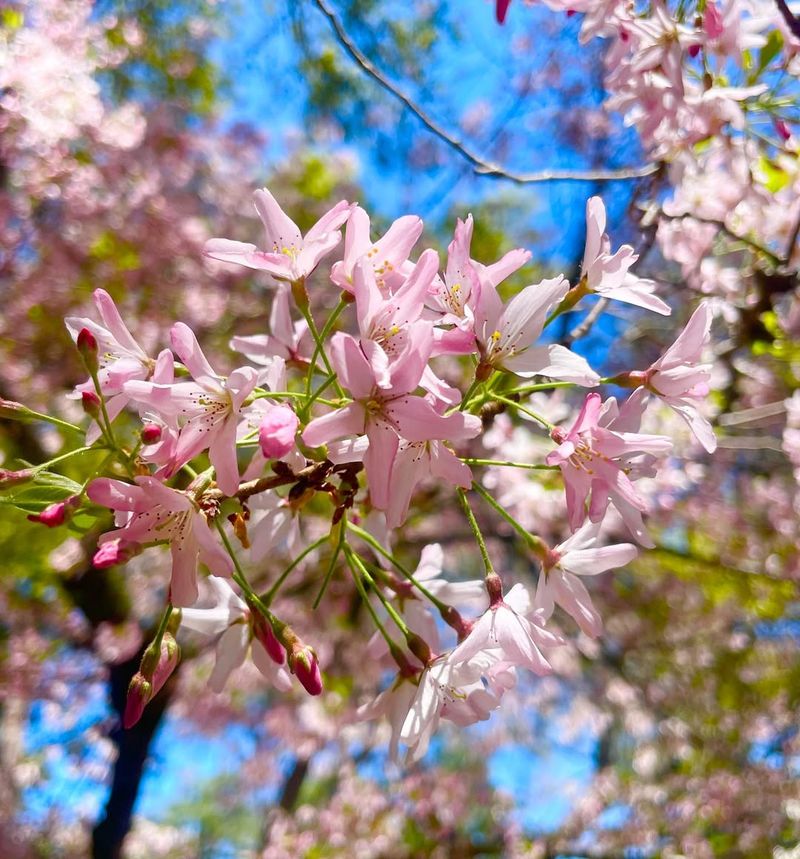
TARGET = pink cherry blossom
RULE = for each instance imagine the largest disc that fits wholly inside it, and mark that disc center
(287, 340)
(385, 414)
(608, 274)
(120, 357)
(150, 512)
(593, 460)
(210, 408)
(505, 631)
(579, 556)
(387, 256)
(681, 381)
(290, 256)
(506, 335)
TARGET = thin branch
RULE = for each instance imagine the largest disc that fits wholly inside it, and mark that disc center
(585, 326)
(721, 225)
(480, 164)
(792, 22)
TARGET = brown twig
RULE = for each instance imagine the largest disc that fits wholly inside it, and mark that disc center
(480, 164)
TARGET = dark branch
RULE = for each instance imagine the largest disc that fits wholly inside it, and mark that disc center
(792, 22)
(481, 165)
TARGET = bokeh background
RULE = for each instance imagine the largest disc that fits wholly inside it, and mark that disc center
(131, 132)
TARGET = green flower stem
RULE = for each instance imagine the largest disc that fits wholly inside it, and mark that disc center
(320, 340)
(471, 460)
(64, 456)
(543, 386)
(535, 543)
(162, 628)
(319, 350)
(476, 531)
(357, 564)
(371, 541)
(543, 421)
(365, 597)
(270, 594)
(58, 422)
(332, 565)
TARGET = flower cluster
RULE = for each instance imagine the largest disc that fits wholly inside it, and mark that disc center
(402, 393)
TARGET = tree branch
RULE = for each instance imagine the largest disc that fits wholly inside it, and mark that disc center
(792, 22)
(481, 165)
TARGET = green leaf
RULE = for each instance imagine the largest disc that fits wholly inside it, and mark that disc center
(46, 488)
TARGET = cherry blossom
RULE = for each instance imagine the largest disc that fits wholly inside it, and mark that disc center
(290, 256)
(150, 512)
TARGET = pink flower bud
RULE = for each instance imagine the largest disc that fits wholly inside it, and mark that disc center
(263, 632)
(140, 691)
(91, 403)
(712, 22)
(151, 433)
(784, 132)
(167, 661)
(12, 478)
(55, 514)
(694, 50)
(277, 431)
(501, 9)
(87, 346)
(305, 666)
(112, 553)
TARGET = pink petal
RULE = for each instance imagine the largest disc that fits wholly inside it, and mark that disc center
(349, 421)
(281, 230)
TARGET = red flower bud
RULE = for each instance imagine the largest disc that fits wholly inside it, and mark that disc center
(305, 666)
(87, 346)
(91, 403)
(784, 132)
(151, 433)
(55, 514)
(263, 632)
(112, 553)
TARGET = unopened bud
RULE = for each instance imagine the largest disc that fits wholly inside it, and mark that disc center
(55, 514)
(114, 552)
(277, 431)
(694, 50)
(304, 665)
(12, 478)
(263, 632)
(151, 433)
(784, 132)
(167, 661)
(419, 647)
(87, 346)
(12, 409)
(91, 403)
(140, 691)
